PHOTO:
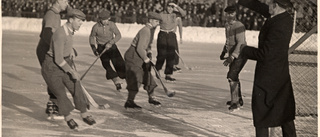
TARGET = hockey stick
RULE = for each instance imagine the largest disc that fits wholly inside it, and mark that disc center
(85, 73)
(91, 100)
(169, 93)
(184, 64)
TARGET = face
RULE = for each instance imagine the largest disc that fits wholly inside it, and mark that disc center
(76, 23)
(231, 16)
(154, 22)
(272, 5)
(63, 4)
(170, 9)
(104, 22)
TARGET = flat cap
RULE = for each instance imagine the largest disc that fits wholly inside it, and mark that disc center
(103, 15)
(285, 3)
(76, 13)
(154, 15)
(230, 9)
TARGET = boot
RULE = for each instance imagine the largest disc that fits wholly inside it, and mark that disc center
(169, 78)
(89, 120)
(153, 101)
(72, 124)
(131, 104)
(234, 89)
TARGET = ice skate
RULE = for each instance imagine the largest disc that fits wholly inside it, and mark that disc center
(73, 124)
(170, 79)
(177, 69)
(53, 111)
(153, 101)
(89, 120)
(118, 86)
(132, 105)
(234, 107)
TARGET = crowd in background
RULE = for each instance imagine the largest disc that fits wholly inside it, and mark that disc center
(205, 13)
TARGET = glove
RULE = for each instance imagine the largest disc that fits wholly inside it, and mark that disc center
(94, 49)
(74, 75)
(147, 66)
(222, 55)
(149, 55)
(228, 61)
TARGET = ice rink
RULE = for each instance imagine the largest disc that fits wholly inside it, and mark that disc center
(197, 109)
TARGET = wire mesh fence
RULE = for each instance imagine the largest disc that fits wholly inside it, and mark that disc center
(303, 69)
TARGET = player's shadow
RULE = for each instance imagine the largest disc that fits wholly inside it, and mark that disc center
(170, 124)
(22, 104)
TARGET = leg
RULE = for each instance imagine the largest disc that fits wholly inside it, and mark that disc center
(288, 129)
(161, 50)
(262, 132)
(118, 62)
(172, 46)
(133, 85)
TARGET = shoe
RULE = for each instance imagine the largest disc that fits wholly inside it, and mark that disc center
(169, 78)
(234, 107)
(176, 68)
(49, 109)
(131, 104)
(240, 102)
(118, 86)
(72, 124)
(154, 102)
(89, 120)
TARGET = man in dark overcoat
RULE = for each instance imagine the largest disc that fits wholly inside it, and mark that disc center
(273, 101)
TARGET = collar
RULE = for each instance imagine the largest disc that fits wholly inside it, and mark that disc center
(55, 10)
(67, 29)
(149, 25)
(100, 23)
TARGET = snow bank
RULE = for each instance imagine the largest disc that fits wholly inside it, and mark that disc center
(190, 34)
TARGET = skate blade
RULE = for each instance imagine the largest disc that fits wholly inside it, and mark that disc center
(169, 81)
(133, 109)
(155, 106)
(234, 110)
(55, 117)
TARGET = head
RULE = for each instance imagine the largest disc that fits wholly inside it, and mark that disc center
(63, 4)
(278, 5)
(170, 7)
(76, 19)
(231, 13)
(104, 17)
(154, 19)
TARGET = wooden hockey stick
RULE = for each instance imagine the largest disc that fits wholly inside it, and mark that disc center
(85, 73)
(169, 93)
(184, 64)
(91, 100)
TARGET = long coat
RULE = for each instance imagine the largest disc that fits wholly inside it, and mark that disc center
(273, 101)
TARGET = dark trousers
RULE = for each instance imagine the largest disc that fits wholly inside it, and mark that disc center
(114, 55)
(166, 46)
(235, 67)
(288, 130)
(58, 80)
(176, 58)
(42, 50)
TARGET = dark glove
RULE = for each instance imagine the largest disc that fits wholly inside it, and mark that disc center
(147, 66)
(222, 55)
(149, 55)
(228, 61)
(94, 49)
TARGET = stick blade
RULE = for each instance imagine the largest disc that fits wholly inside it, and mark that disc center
(171, 94)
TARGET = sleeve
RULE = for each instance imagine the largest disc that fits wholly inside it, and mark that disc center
(92, 37)
(116, 33)
(143, 44)
(269, 47)
(240, 39)
(256, 6)
(50, 22)
(58, 43)
(182, 12)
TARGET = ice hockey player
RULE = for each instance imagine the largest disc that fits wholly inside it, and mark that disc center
(235, 37)
(138, 63)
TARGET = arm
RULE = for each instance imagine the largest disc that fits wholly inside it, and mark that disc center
(92, 41)
(240, 39)
(257, 6)
(116, 33)
(58, 43)
(143, 44)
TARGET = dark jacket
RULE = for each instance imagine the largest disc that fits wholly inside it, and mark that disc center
(273, 101)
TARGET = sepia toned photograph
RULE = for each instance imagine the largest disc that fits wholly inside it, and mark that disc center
(159, 68)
